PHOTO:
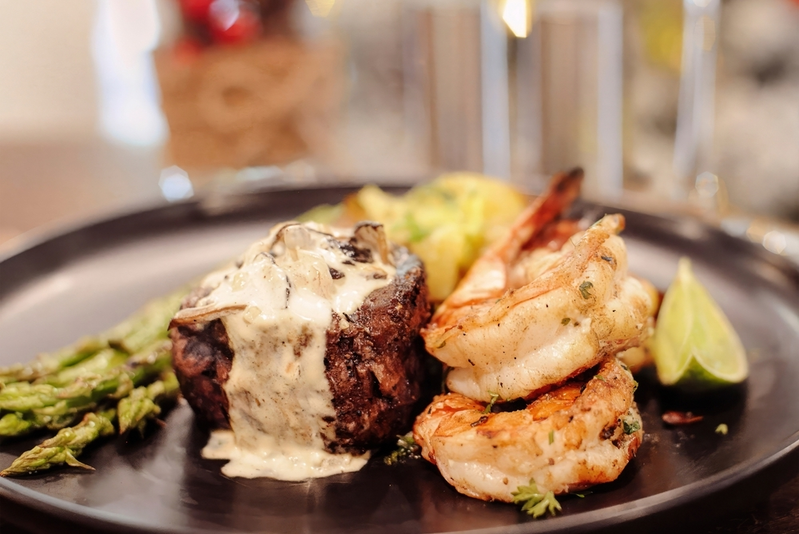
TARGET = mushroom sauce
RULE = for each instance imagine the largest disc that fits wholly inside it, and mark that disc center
(277, 304)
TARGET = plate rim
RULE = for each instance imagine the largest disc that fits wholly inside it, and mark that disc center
(78, 514)
(672, 498)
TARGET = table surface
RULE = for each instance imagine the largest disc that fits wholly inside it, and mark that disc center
(44, 184)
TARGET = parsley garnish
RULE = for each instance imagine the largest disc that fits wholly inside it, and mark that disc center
(406, 448)
(416, 232)
(600, 377)
(551, 437)
(565, 321)
(585, 289)
(533, 502)
(490, 405)
(631, 427)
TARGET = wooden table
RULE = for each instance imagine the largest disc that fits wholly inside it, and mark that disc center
(40, 184)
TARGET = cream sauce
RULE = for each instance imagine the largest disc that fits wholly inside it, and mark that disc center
(276, 308)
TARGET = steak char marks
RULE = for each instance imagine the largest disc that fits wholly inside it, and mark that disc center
(373, 362)
(202, 359)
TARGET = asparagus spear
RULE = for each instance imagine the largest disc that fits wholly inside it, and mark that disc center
(86, 392)
(100, 362)
(75, 379)
(46, 364)
(24, 396)
(143, 403)
(147, 325)
(19, 424)
(131, 336)
(66, 446)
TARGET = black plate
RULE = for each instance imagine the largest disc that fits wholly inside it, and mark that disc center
(89, 278)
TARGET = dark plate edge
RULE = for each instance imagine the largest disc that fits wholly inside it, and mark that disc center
(80, 515)
(216, 202)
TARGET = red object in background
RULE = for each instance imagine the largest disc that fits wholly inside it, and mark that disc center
(186, 50)
(680, 418)
(233, 22)
(196, 10)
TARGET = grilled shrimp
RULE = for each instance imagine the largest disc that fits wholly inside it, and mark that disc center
(578, 435)
(542, 305)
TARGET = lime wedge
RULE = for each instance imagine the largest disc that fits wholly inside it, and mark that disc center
(695, 346)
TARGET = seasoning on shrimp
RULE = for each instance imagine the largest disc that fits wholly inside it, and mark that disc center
(580, 434)
(540, 317)
(504, 329)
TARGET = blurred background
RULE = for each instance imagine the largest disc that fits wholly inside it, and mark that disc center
(688, 105)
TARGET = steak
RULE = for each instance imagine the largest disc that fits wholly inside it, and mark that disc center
(373, 361)
(374, 364)
(202, 359)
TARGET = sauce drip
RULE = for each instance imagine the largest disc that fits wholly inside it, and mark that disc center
(276, 306)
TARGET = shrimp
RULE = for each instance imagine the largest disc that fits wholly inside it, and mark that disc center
(581, 434)
(541, 305)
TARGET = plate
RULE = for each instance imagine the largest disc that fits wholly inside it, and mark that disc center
(86, 279)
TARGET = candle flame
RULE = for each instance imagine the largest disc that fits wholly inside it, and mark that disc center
(516, 14)
(320, 8)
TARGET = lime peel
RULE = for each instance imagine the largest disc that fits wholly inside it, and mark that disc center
(695, 347)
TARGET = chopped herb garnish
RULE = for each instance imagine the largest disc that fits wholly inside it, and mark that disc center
(533, 502)
(446, 195)
(406, 448)
(416, 232)
(442, 345)
(635, 386)
(565, 321)
(600, 377)
(585, 289)
(631, 427)
(722, 429)
(583, 494)
(490, 405)
(551, 437)
(608, 259)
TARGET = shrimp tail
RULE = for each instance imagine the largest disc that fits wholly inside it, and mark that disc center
(563, 190)
(488, 276)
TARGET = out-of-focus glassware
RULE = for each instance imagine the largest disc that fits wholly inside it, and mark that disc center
(653, 57)
(401, 90)
(711, 90)
(569, 94)
(757, 116)
(693, 144)
(456, 68)
(512, 88)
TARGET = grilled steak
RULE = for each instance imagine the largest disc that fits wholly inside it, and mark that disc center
(202, 358)
(374, 365)
(372, 362)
